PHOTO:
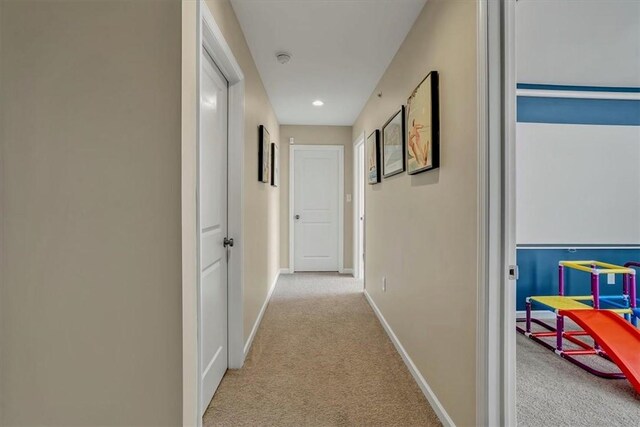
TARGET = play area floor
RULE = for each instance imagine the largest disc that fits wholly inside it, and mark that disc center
(554, 392)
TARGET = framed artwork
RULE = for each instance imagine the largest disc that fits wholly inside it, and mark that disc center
(393, 145)
(275, 165)
(264, 160)
(373, 155)
(423, 126)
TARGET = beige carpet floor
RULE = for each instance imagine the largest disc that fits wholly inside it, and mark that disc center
(320, 358)
(553, 392)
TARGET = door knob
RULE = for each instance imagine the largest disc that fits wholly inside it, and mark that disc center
(297, 216)
(227, 242)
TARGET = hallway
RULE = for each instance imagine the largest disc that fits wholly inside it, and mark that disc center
(320, 357)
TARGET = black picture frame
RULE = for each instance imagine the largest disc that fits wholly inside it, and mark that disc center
(374, 168)
(432, 79)
(399, 116)
(275, 165)
(264, 160)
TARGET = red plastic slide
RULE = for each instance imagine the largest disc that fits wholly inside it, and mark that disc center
(617, 337)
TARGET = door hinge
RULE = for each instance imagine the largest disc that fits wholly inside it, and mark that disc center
(514, 274)
(227, 242)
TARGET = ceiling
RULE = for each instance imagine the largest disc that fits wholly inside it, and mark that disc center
(339, 49)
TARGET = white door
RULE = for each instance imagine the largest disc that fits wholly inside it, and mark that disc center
(316, 188)
(360, 183)
(213, 230)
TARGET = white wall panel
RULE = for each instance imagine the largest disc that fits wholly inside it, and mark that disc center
(578, 184)
(592, 43)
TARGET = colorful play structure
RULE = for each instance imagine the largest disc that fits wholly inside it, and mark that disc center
(610, 320)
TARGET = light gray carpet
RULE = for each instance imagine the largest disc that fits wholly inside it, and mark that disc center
(553, 392)
(320, 358)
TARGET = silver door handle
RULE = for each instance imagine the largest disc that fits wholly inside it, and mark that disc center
(297, 217)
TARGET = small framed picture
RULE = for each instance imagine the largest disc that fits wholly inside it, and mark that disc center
(373, 156)
(275, 165)
(393, 145)
(264, 160)
(423, 126)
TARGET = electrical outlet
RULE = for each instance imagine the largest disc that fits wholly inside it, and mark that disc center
(384, 284)
(611, 279)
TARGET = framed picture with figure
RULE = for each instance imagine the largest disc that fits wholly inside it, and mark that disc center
(393, 145)
(373, 157)
(423, 126)
(264, 160)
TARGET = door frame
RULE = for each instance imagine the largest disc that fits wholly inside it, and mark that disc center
(199, 30)
(292, 150)
(496, 85)
(357, 190)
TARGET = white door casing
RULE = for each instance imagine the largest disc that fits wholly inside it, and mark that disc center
(317, 190)
(358, 209)
(213, 229)
(496, 379)
(199, 29)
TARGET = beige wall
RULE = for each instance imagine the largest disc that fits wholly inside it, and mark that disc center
(90, 296)
(91, 274)
(261, 224)
(316, 135)
(421, 229)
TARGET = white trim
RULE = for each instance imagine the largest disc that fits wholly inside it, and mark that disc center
(541, 93)
(576, 247)
(340, 208)
(235, 220)
(217, 46)
(357, 258)
(291, 210)
(538, 314)
(495, 364)
(417, 376)
(347, 271)
(200, 29)
(256, 325)
(190, 374)
(284, 271)
(483, 393)
(340, 150)
(506, 26)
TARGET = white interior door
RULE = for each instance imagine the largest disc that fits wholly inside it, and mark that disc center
(360, 183)
(317, 197)
(213, 230)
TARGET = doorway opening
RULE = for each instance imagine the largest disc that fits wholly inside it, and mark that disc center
(570, 167)
(212, 206)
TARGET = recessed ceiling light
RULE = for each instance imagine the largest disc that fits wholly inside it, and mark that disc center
(318, 103)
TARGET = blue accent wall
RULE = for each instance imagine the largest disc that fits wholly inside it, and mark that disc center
(583, 111)
(614, 89)
(539, 270)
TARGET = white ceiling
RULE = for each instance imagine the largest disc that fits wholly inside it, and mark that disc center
(339, 48)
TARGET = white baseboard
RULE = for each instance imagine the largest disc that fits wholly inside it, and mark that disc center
(256, 325)
(342, 271)
(538, 314)
(417, 376)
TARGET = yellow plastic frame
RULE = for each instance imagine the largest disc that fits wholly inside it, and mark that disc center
(606, 268)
